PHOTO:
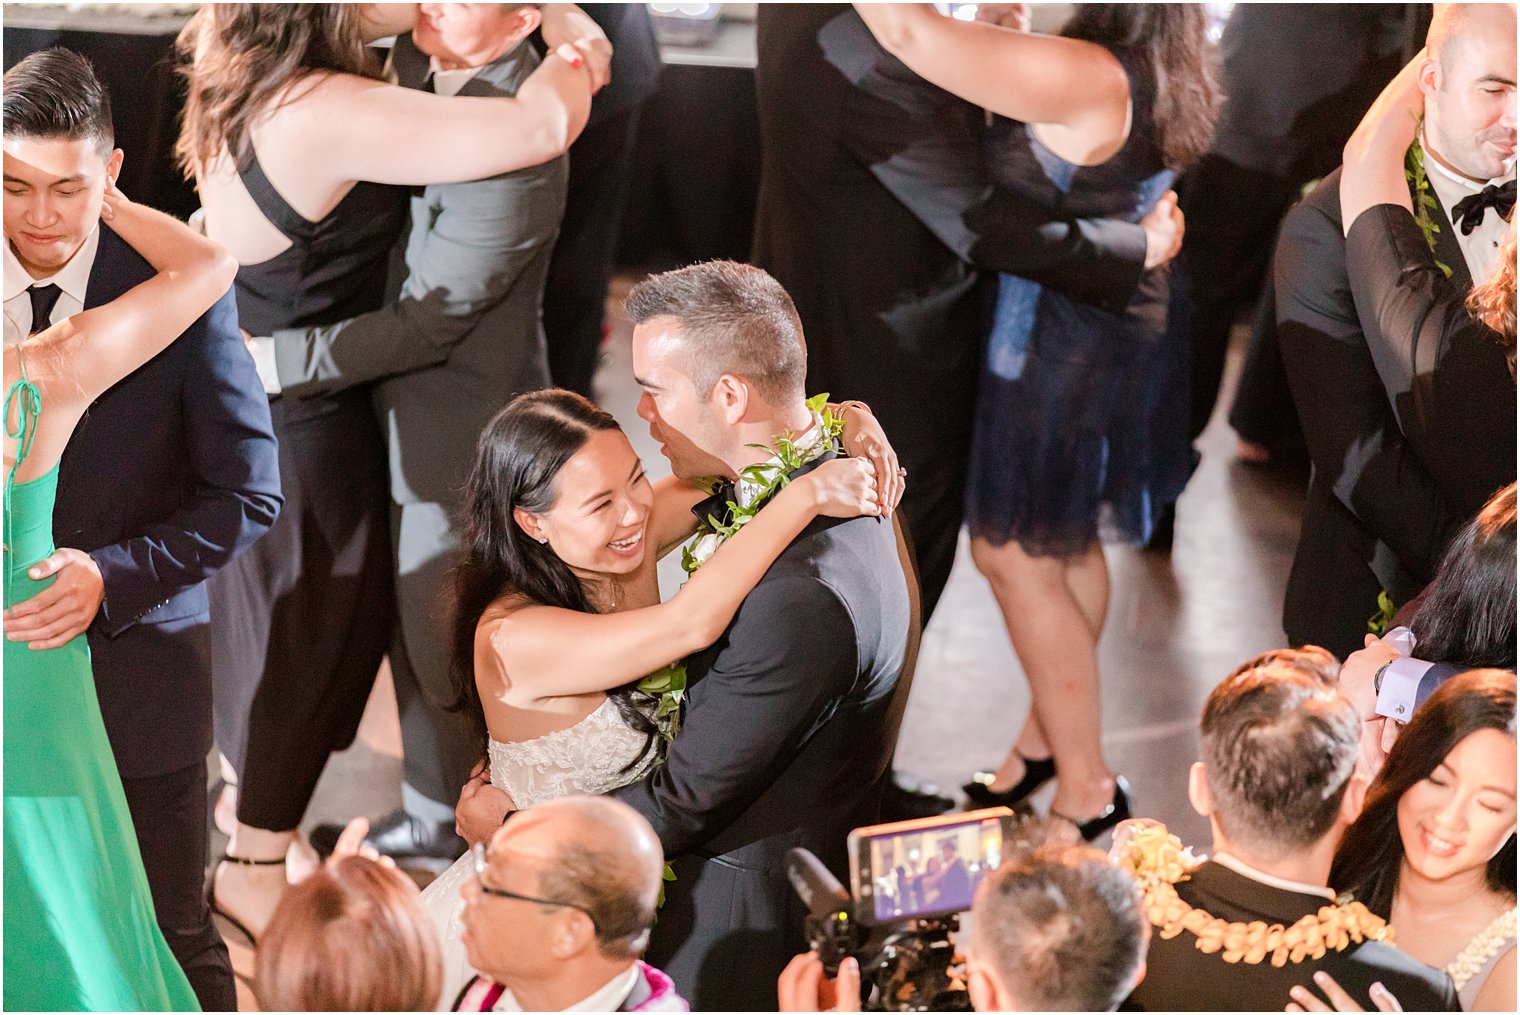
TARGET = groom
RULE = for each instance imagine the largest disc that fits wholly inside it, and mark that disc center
(793, 712)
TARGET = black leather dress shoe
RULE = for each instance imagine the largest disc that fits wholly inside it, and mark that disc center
(904, 803)
(400, 836)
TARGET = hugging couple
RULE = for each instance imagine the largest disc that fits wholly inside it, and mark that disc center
(792, 631)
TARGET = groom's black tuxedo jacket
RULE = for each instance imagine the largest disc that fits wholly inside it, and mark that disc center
(791, 720)
(169, 476)
(1377, 516)
(1179, 977)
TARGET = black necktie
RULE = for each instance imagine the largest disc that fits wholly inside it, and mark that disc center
(44, 298)
(1470, 210)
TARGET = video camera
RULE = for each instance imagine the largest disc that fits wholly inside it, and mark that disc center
(909, 883)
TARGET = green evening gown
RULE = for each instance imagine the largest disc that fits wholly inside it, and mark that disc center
(80, 934)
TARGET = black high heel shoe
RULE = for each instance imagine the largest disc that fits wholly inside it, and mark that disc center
(216, 908)
(1121, 809)
(1037, 772)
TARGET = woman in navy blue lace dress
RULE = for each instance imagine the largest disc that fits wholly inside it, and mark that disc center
(1081, 428)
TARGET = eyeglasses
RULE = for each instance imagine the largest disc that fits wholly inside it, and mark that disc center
(482, 863)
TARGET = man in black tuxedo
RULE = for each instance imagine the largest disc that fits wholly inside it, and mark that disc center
(1278, 785)
(1376, 517)
(792, 714)
(877, 213)
(169, 476)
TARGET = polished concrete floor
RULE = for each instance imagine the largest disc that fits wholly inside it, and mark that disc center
(1177, 624)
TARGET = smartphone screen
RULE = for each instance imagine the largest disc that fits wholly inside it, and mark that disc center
(917, 869)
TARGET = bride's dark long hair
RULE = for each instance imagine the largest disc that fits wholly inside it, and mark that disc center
(517, 460)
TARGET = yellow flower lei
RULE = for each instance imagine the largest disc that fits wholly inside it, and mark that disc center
(1157, 860)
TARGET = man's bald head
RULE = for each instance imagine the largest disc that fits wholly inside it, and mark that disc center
(1468, 80)
(594, 853)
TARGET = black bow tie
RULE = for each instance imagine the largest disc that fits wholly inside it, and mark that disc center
(716, 505)
(1469, 211)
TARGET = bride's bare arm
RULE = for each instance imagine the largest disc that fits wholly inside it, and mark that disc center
(863, 437)
(550, 652)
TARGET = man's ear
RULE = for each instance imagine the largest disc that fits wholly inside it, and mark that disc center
(1355, 798)
(529, 523)
(1198, 790)
(731, 397)
(983, 990)
(113, 166)
(1429, 76)
(528, 18)
(575, 936)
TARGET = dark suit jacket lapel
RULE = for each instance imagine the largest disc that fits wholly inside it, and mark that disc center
(1448, 250)
(108, 275)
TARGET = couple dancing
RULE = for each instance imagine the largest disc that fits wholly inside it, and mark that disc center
(793, 631)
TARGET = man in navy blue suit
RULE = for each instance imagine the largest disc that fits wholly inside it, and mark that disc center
(169, 476)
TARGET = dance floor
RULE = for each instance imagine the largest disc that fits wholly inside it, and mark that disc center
(1176, 626)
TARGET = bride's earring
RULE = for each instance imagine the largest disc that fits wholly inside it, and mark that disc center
(543, 539)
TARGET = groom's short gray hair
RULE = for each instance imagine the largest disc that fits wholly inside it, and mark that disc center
(735, 319)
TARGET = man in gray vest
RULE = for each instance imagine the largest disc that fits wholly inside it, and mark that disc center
(461, 340)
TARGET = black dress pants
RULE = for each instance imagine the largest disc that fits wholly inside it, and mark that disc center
(1233, 214)
(304, 618)
(580, 270)
(169, 816)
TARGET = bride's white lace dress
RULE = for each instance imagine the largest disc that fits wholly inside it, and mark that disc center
(591, 756)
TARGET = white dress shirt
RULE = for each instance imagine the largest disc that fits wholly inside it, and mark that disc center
(72, 281)
(1245, 870)
(746, 490)
(609, 997)
(1480, 248)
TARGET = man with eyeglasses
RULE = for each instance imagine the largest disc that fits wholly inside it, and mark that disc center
(559, 912)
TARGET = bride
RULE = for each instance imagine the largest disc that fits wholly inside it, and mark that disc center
(559, 613)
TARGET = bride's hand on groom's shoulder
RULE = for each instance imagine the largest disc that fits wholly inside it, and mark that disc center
(864, 438)
(844, 488)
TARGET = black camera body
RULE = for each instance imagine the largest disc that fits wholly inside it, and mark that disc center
(909, 883)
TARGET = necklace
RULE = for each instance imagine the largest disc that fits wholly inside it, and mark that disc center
(1158, 862)
(1482, 948)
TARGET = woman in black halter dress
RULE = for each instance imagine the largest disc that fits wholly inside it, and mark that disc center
(305, 159)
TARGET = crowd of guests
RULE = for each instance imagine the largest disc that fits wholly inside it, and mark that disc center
(350, 457)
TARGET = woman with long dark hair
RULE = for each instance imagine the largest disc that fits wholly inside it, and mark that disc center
(1434, 849)
(559, 615)
(1081, 429)
(304, 158)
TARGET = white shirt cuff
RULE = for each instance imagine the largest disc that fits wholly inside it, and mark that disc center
(262, 348)
(1401, 687)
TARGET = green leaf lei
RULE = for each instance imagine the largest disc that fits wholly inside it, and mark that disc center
(1379, 623)
(1424, 200)
(668, 684)
(768, 477)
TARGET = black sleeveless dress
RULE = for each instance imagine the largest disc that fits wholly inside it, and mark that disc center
(304, 618)
(1081, 415)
